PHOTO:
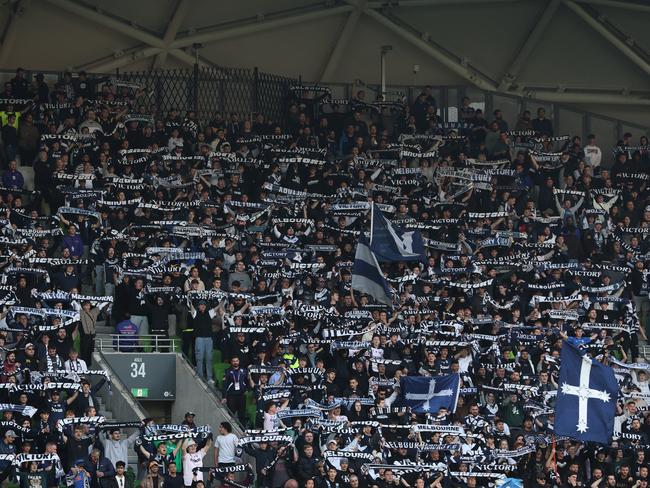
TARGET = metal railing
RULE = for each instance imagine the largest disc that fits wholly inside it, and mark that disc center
(566, 118)
(249, 91)
(208, 90)
(139, 343)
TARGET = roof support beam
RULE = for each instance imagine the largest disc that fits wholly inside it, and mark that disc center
(109, 22)
(471, 75)
(594, 98)
(188, 59)
(428, 3)
(11, 28)
(149, 40)
(342, 42)
(177, 18)
(252, 27)
(128, 58)
(634, 7)
(610, 36)
(531, 43)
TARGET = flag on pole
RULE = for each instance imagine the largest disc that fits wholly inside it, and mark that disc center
(367, 276)
(391, 243)
(586, 398)
(428, 394)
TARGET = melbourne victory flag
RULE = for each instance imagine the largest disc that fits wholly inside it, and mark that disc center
(390, 243)
(586, 398)
(428, 394)
(367, 276)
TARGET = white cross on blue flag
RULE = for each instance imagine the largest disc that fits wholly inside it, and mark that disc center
(586, 398)
(391, 243)
(428, 394)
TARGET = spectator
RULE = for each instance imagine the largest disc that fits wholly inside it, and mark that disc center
(12, 177)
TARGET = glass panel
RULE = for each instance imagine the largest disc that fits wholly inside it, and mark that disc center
(605, 132)
(510, 108)
(570, 124)
(477, 99)
(452, 105)
(635, 131)
(534, 106)
(338, 90)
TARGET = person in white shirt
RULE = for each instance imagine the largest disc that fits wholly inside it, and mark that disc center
(193, 459)
(225, 446)
(593, 154)
(74, 364)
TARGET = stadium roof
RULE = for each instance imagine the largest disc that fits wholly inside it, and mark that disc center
(591, 52)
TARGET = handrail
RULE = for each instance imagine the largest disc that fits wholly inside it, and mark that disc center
(117, 385)
(214, 391)
(119, 341)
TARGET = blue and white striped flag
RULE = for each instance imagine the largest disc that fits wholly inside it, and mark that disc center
(367, 276)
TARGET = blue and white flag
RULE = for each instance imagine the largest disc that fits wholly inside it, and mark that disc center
(586, 398)
(428, 394)
(367, 276)
(510, 483)
(391, 243)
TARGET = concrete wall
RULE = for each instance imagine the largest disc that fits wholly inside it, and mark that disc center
(122, 405)
(194, 395)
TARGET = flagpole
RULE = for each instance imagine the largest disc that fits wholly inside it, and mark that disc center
(372, 218)
(555, 456)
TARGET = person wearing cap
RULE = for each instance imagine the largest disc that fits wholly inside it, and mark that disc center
(7, 447)
(57, 407)
(29, 359)
(188, 420)
(77, 476)
(153, 479)
(162, 455)
(193, 458)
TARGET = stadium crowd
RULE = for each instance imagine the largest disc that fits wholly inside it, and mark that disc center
(239, 235)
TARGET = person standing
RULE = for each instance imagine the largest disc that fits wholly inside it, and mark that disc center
(116, 449)
(173, 479)
(234, 388)
(137, 308)
(201, 320)
(28, 137)
(88, 329)
(225, 446)
(100, 469)
(193, 459)
(153, 479)
(121, 480)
